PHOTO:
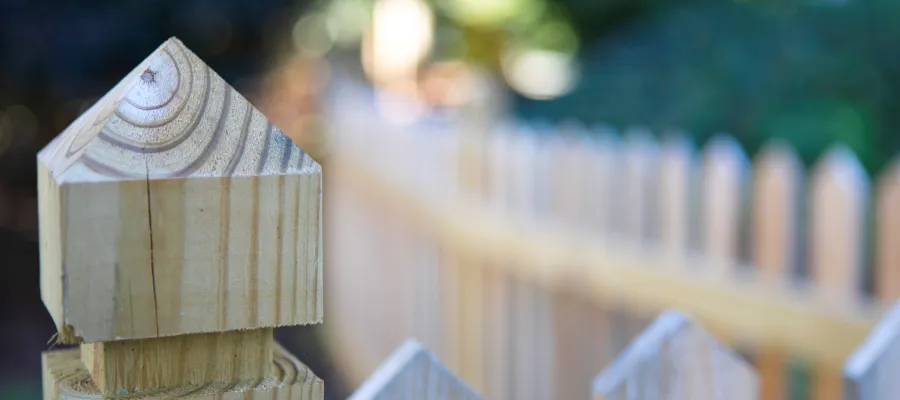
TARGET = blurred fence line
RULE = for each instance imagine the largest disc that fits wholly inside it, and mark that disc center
(526, 257)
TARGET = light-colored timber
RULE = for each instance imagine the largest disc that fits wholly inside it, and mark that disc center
(129, 366)
(412, 372)
(887, 221)
(870, 373)
(172, 206)
(178, 226)
(777, 183)
(676, 359)
(745, 308)
(66, 378)
(838, 205)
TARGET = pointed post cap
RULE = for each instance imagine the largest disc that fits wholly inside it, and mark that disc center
(173, 206)
(676, 358)
(413, 372)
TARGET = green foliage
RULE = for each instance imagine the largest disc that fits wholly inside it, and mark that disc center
(811, 74)
(20, 389)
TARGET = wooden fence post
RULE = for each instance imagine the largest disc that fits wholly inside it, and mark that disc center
(178, 226)
(413, 373)
(673, 358)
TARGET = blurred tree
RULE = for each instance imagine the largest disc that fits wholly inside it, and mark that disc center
(813, 73)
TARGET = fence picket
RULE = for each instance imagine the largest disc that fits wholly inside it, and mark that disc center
(519, 195)
(838, 197)
(580, 331)
(601, 179)
(497, 165)
(538, 303)
(496, 285)
(724, 176)
(677, 173)
(566, 184)
(472, 323)
(776, 189)
(347, 302)
(498, 331)
(451, 290)
(887, 257)
(637, 205)
(638, 200)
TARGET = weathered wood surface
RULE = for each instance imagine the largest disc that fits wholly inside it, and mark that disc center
(126, 366)
(871, 373)
(172, 206)
(412, 372)
(66, 378)
(675, 359)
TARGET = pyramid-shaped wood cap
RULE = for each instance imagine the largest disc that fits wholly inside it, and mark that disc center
(172, 116)
(173, 206)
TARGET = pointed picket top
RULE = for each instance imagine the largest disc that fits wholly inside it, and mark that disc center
(674, 358)
(871, 371)
(887, 219)
(172, 116)
(412, 372)
(637, 200)
(777, 186)
(603, 133)
(572, 128)
(677, 173)
(724, 177)
(838, 197)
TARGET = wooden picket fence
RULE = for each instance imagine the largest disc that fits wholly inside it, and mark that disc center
(527, 258)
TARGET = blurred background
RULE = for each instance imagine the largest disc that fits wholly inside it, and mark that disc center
(811, 73)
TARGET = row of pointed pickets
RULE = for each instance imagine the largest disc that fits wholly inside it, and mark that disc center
(510, 250)
(672, 358)
(178, 226)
